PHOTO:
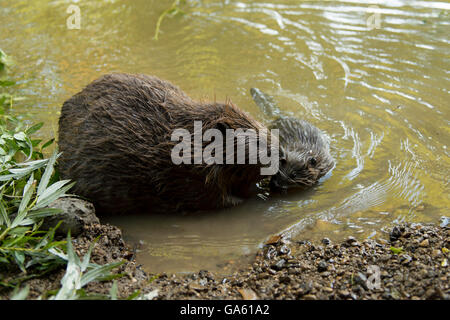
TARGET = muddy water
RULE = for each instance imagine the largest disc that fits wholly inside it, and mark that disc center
(373, 76)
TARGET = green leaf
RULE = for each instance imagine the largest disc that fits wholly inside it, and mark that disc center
(6, 83)
(113, 291)
(396, 250)
(87, 256)
(52, 193)
(3, 213)
(20, 294)
(20, 259)
(134, 295)
(21, 136)
(47, 173)
(43, 212)
(99, 272)
(27, 193)
(49, 142)
(34, 128)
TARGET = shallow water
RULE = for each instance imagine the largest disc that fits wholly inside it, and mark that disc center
(373, 76)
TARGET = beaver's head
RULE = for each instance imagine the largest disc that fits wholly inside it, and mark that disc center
(304, 155)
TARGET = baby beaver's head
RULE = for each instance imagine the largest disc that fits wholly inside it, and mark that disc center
(304, 155)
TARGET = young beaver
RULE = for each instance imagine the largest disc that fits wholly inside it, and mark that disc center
(304, 154)
(304, 149)
(115, 139)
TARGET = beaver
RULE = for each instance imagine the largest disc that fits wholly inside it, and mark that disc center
(116, 142)
(304, 149)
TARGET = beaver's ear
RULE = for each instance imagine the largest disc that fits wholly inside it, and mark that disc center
(222, 127)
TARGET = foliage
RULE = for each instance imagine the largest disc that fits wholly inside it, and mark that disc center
(29, 183)
(80, 273)
(395, 250)
(4, 61)
(26, 189)
(172, 11)
(6, 99)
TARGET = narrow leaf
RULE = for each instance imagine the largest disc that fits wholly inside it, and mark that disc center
(47, 173)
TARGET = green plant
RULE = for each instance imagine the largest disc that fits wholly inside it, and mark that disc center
(6, 99)
(172, 11)
(4, 60)
(23, 206)
(80, 272)
(28, 184)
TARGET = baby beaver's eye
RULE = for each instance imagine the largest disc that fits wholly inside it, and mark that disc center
(313, 161)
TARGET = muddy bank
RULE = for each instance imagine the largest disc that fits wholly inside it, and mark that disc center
(411, 263)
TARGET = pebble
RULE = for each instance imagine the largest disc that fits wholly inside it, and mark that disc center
(395, 234)
(248, 294)
(325, 271)
(405, 259)
(278, 265)
(322, 266)
(344, 293)
(361, 279)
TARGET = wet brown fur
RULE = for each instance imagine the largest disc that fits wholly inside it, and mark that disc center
(115, 139)
(304, 154)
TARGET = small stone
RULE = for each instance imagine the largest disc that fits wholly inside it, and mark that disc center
(405, 259)
(424, 243)
(285, 249)
(248, 294)
(75, 214)
(326, 241)
(361, 279)
(322, 266)
(285, 279)
(344, 293)
(309, 297)
(274, 240)
(263, 275)
(279, 264)
(395, 234)
(436, 253)
(351, 241)
(329, 290)
(197, 287)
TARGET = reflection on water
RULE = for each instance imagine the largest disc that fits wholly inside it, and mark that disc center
(381, 94)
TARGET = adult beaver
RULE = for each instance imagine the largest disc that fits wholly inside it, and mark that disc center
(116, 142)
(304, 149)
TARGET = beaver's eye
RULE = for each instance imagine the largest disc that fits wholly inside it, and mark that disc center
(293, 175)
(313, 161)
